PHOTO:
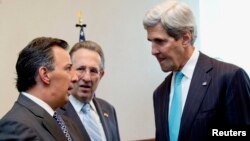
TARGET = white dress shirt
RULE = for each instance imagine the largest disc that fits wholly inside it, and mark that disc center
(188, 71)
(78, 108)
(41, 103)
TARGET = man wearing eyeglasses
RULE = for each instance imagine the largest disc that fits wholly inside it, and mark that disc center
(95, 117)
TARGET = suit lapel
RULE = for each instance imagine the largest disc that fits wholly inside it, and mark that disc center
(165, 102)
(51, 125)
(104, 116)
(74, 131)
(198, 87)
(48, 122)
(69, 111)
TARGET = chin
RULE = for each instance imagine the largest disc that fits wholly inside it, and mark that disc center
(68, 94)
(84, 94)
(165, 70)
(66, 99)
(168, 69)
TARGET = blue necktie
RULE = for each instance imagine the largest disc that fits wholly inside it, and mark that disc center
(175, 109)
(60, 121)
(91, 124)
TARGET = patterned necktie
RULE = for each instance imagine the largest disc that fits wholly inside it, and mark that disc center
(91, 124)
(176, 109)
(60, 121)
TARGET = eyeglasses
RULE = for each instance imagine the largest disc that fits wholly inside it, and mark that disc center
(92, 71)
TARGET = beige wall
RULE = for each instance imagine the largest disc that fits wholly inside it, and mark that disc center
(132, 73)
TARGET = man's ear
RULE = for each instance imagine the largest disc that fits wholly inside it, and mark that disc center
(187, 38)
(101, 74)
(43, 73)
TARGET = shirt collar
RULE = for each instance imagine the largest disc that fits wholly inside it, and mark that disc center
(77, 104)
(40, 102)
(189, 67)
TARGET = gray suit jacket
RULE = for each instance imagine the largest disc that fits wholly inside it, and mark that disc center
(218, 97)
(27, 121)
(107, 116)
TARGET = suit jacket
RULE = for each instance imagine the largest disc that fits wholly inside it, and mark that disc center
(28, 121)
(107, 116)
(218, 97)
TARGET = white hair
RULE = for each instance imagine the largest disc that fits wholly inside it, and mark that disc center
(176, 17)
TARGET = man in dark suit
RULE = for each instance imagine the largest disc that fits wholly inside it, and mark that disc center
(88, 61)
(44, 77)
(213, 94)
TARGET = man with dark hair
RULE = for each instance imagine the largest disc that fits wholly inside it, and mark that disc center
(44, 77)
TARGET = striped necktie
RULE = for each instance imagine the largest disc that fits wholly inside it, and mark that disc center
(61, 123)
(175, 109)
(91, 124)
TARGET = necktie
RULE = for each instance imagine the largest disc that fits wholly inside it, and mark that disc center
(60, 121)
(91, 124)
(175, 109)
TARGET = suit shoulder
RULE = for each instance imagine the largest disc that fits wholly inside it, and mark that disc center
(216, 67)
(163, 84)
(219, 69)
(227, 69)
(103, 102)
(226, 65)
(217, 64)
(13, 129)
(23, 114)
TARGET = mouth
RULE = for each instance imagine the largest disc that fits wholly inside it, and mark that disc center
(70, 87)
(160, 60)
(85, 88)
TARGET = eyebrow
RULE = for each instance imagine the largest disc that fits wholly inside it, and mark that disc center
(68, 65)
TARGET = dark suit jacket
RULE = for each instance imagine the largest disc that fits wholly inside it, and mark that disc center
(28, 121)
(218, 97)
(107, 116)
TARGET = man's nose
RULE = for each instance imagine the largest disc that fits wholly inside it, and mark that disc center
(74, 78)
(86, 76)
(154, 49)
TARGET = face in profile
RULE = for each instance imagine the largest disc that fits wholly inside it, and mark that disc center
(168, 51)
(87, 64)
(62, 77)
